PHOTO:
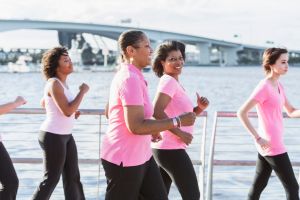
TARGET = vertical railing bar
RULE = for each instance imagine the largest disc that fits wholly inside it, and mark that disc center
(202, 159)
(209, 185)
(99, 162)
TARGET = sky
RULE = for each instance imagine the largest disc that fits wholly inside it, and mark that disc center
(251, 22)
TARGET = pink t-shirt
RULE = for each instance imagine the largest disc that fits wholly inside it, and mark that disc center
(119, 145)
(269, 109)
(180, 102)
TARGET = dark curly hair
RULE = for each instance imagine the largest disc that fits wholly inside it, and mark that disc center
(162, 52)
(270, 56)
(50, 61)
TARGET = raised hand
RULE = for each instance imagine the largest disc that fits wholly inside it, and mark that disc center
(202, 102)
(20, 101)
(84, 88)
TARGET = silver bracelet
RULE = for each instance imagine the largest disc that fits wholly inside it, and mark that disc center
(178, 122)
(175, 123)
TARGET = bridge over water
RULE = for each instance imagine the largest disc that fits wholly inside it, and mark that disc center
(210, 50)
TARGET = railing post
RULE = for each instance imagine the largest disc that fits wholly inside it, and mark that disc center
(201, 177)
(209, 184)
(99, 163)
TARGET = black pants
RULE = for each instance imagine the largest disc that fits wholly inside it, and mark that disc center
(282, 166)
(176, 165)
(142, 182)
(8, 176)
(60, 157)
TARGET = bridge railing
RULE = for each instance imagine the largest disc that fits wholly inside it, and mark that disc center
(232, 158)
(20, 130)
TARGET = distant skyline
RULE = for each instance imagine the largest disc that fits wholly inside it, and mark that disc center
(249, 22)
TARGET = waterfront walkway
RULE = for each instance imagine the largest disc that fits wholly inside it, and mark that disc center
(230, 154)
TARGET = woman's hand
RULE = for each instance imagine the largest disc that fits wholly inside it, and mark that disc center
(185, 137)
(187, 119)
(84, 88)
(20, 101)
(263, 143)
(202, 102)
(77, 114)
(156, 137)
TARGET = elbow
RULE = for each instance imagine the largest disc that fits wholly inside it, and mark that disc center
(67, 113)
(135, 130)
(290, 114)
(240, 113)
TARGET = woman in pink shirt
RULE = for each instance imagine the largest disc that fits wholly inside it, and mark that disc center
(126, 155)
(171, 99)
(8, 178)
(269, 99)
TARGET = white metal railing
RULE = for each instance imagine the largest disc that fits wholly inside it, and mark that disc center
(21, 129)
(233, 147)
(201, 176)
(87, 132)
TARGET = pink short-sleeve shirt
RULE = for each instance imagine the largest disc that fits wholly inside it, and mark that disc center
(180, 103)
(119, 145)
(270, 102)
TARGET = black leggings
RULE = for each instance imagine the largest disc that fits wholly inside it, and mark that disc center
(60, 157)
(142, 182)
(8, 176)
(282, 166)
(176, 165)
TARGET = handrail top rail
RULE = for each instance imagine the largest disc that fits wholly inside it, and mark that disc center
(232, 114)
(82, 111)
(43, 111)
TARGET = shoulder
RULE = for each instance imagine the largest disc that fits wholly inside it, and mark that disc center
(167, 79)
(124, 75)
(127, 82)
(262, 85)
(54, 84)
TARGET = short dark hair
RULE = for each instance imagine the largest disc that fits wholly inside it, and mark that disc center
(270, 56)
(50, 61)
(162, 52)
(129, 38)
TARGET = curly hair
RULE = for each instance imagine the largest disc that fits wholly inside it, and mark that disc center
(270, 57)
(162, 52)
(50, 61)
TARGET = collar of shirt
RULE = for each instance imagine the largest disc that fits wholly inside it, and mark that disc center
(135, 70)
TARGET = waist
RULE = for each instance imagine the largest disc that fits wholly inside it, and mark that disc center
(129, 150)
(60, 126)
